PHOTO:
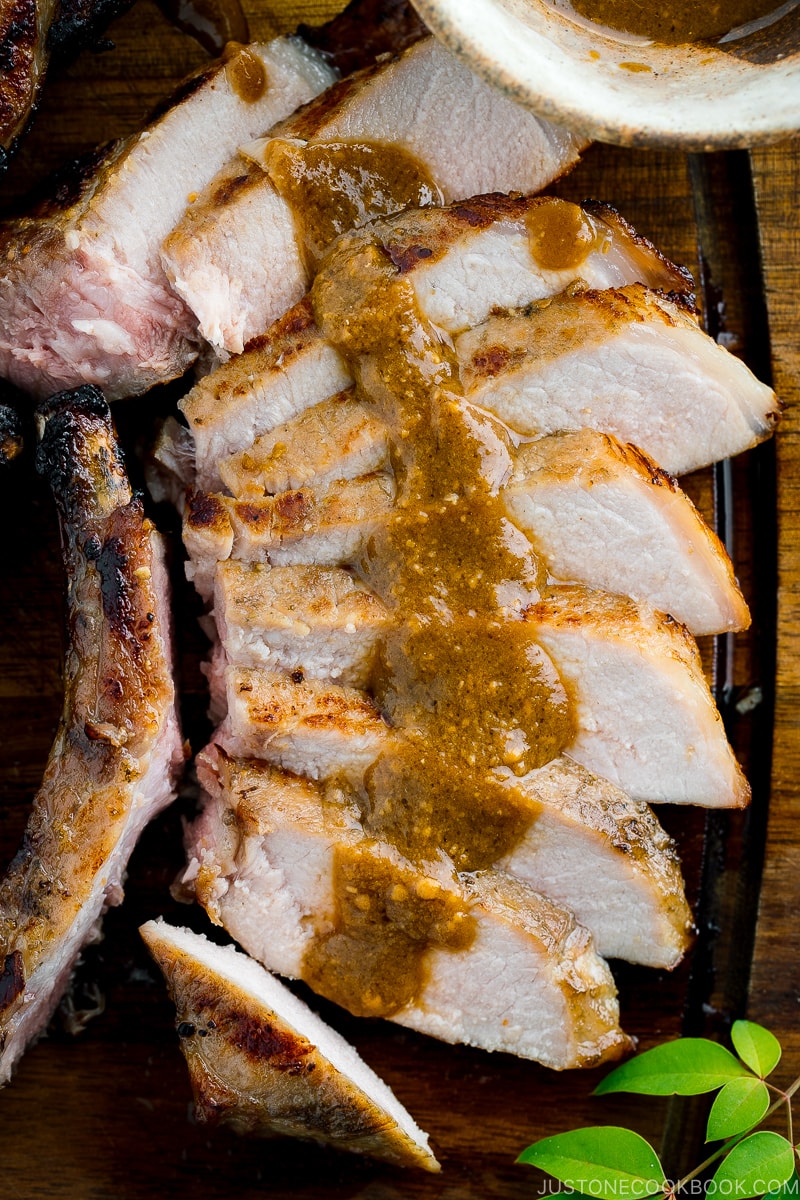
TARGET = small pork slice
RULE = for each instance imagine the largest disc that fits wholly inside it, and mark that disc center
(83, 296)
(319, 622)
(340, 438)
(623, 361)
(605, 515)
(470, 258)
(282, 373)
(118, 751)
(236, 257)
(325, 526)
(523, 976)
(645, 716)
(304, 725)
(263, 1063)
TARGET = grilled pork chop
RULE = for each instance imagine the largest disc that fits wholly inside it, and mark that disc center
(645, 718)
(83, 297)
(117, 754)
(263, 1063)
(624, 361)
(389, 136)
(596, 511)
(482, 960)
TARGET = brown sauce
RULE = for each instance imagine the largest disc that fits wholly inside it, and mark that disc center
(246, 73)
(560, 235)
(372, 962)
(673, 22)
(471, 698)
(331, 187)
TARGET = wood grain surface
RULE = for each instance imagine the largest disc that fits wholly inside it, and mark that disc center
(107, 1113)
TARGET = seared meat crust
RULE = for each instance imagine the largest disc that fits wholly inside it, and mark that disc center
(117, 752)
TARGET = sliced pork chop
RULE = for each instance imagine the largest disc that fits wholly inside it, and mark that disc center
(281, 374)
(340, 438)
(645, 717)
(240, 258)
(569, 816)
(521, 976)
(318, 621)
(622, 361)
(83, 296)
(306, 726)
(118, 751)
(597, 512)
(262, 1063)
(468, 259)
(327, 527)
(606, 858)
(604, 514)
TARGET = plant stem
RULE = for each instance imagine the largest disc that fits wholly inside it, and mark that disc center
(784, 1098)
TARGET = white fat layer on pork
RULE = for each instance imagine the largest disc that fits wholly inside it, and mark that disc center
(234, 977)
(84, 298)
(645, 716)
(235, 260)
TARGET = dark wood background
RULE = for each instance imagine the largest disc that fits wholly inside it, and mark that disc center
(107, 1113)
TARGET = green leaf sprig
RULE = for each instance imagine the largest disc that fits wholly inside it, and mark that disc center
(607, 1161)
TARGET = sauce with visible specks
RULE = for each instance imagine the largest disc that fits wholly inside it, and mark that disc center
(331, 187)
(471, 698)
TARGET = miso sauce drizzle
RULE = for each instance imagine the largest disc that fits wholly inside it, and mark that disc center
(332, 187)
(471, 698)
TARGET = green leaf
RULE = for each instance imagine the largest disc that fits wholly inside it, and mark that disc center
(756, 1046)
(791, 1187)
(687, 1066)
(761, 1163)
(601, 1161)
(740, 1105)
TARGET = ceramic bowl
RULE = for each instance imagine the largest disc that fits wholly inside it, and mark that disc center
(742, 92)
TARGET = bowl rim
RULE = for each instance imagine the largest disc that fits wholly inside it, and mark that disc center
(477, 29)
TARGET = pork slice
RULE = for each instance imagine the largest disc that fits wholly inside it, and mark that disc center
(304, 725)
(236, 258)
(626, 362)
(263, 1063)
(326, 527)
(262, 860)
(318, 621)
(605, 857)
(645, 717)
(570, 816)
(117, 753)
(83, 296)
(496, 251)
(605, 515)
(287, 370)
(339, 438)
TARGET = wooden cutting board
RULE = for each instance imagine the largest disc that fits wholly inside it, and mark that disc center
(107, 1113)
